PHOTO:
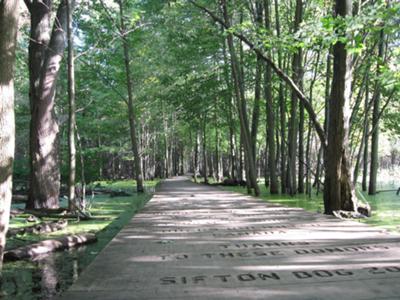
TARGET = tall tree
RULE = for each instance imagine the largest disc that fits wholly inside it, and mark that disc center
(71, 109)
(282, 107)
(273, 182)
(45, 55)
(338, 190)
(131, 109)
(241, 105)
(375, 119)
(297, 75)
(9, 14)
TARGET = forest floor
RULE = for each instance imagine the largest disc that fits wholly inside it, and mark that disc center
(49, 275)
(385, 205)
(194, 241)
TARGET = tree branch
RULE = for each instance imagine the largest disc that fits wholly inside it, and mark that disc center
(282, 75)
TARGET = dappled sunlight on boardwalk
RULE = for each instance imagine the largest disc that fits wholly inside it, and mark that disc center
(199, 242)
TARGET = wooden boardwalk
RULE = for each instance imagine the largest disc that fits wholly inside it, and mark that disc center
(198, 242)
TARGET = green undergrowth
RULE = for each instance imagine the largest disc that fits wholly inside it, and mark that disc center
(385, 205)
(104, 210)
(126, 185)
(25, 279)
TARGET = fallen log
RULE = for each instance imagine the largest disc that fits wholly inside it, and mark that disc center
(15, 212)
(47, 246)
(45, 227)
(56, 213)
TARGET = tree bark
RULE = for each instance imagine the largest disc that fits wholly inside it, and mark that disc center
(373, 174)
(241, 108)
(366, 141)
(196, 157)
(364, 138)
(205, 174)
(9, 14)
(282, 107)
(257, 87)
(45, 58)
(131, 110)
(230, 115)
(273, 181)
(72, 109)
(338, 190)
(297, 74)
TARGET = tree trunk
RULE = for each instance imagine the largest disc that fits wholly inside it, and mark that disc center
(335, 172)
(366, 142)
(273, 181)
(241, 105)
(205, 174)
(257, 86)
(364, 138)
(72, 108)
(82, 164)
(196, 157)
(9, 14)
(338, 190)
(309, 136)
(131, 110)
(282, 107)
(300, 179)
(230, 117)
(293, 123)
(375, 120)
(44, 64)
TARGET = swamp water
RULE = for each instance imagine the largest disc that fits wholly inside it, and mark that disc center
(46, 276)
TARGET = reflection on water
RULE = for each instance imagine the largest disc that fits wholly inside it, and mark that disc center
(45, 277)
(150, 189)
(52, 274)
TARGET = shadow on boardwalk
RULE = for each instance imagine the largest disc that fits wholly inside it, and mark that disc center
(198, 242)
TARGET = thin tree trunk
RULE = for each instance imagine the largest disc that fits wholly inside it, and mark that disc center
(131, 110)
(205, 174)
(72, 109)
(282, 107)
(366, 141)
(373, 174)
(293, 123)
(230, 117)
(300, 179)
(196, 157)
(241, 108)
(9, 14)
(257, 87)
(273, 181)
(322, 156)
(364, 138)
(308, 147)
(82, 162)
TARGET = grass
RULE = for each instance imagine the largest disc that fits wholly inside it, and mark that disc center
(385, 206)
(104, 211)
(127, 184)
(26, 279)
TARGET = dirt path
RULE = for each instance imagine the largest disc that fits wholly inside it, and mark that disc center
(198, 242)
